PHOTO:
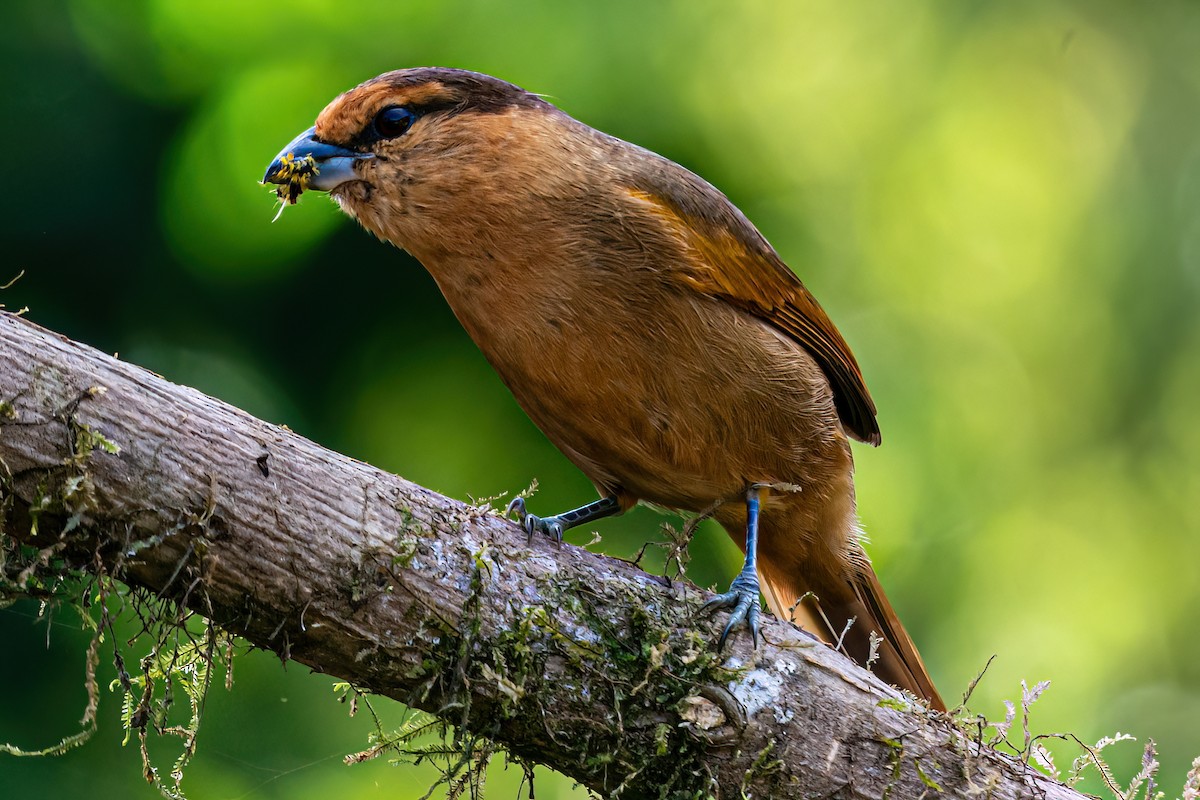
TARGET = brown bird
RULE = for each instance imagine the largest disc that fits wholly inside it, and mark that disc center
(640, 320)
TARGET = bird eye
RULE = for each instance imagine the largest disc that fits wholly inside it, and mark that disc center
(393, 121)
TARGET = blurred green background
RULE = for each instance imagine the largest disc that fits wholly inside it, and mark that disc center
(999, 204)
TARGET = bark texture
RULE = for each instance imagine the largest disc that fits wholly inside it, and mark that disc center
(574, 660)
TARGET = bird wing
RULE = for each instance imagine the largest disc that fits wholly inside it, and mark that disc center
(727, 258)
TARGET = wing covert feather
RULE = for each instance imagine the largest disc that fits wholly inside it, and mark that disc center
(726, 257)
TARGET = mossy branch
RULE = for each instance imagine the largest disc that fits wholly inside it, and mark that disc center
(566, 658)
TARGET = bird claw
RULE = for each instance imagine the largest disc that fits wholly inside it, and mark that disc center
(532, 523)
(743, 597)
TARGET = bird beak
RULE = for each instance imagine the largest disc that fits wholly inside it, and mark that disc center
(308, 163)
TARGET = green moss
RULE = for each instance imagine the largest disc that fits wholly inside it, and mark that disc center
(763, 765)
(410, 525)
(406, 551)
(87, 440)
(635, 662)
(656, 668)
(897, 760)
(661, 739)
(925, 779)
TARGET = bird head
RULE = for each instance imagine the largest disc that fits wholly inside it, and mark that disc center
(428, 157)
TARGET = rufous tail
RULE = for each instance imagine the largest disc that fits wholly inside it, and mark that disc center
(827, 611)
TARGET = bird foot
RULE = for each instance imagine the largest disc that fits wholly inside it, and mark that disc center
(532, 523)
(743, 597)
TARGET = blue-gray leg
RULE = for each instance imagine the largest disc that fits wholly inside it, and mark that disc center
(743, 595)
(554, 526)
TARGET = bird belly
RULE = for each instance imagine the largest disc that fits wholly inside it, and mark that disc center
(681, 402)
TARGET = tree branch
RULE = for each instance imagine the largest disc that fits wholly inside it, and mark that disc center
(570, 659)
